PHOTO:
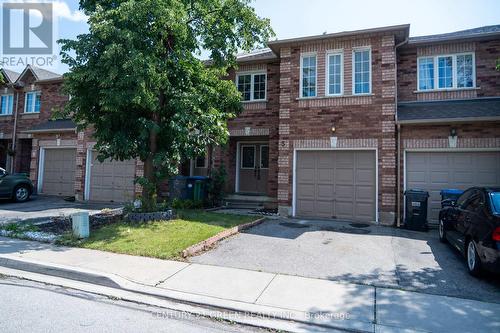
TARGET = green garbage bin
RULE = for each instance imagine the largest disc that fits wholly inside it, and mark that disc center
(198, 190)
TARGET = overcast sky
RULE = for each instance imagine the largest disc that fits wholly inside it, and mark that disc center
(295, 18)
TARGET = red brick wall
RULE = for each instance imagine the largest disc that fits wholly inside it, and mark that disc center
(487, 78)
(262, 120)
(360, 121)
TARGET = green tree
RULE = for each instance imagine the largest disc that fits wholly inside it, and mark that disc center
(137, 79)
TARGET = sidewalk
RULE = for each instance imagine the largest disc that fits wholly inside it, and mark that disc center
(304, 300)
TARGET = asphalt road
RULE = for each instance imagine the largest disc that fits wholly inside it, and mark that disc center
(34, 307)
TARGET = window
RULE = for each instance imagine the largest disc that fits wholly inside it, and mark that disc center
(335, 73)
(495, 202)
(252, 86)
(465, 68)
(264, 157)
(201, 162)
(425, 73)
(6, 104)
(308, 76)
(32, 102)
(456, 71)
(248, 157)
(462, 200)
(362, 72)
(445, 72)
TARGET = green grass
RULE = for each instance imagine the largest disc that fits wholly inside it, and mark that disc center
(162, 239)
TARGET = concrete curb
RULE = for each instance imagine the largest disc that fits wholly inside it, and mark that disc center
(249, 314)
(210, 242)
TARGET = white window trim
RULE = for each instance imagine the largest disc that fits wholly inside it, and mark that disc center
(454, 72)
(254, 157)
(302, 56)
(327, 72)
(34, 101)
(252, 81)
(361, 49)
(11, 111)
(260, 157)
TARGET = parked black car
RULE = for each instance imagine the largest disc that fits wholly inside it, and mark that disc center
(17, 186)
(472, 225)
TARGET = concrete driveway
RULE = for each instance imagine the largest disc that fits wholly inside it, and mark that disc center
(43, 207)
(364, 254)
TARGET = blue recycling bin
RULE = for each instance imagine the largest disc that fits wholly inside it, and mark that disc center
(449, 197)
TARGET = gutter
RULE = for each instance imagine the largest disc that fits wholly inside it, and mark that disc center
(398, 140)
(446, 120)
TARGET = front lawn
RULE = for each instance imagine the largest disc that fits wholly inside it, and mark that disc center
(162, 239)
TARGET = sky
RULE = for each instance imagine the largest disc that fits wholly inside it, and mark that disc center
(298, 18)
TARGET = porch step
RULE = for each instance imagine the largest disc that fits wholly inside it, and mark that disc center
(250, 202)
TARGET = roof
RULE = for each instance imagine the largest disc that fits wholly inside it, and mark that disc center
(258, 54)
(486, 31)
(477, 109)
(59, 125)
(404, 30)
(41, 74)
(10, 75)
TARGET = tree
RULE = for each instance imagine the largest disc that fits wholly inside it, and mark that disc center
(137, 80)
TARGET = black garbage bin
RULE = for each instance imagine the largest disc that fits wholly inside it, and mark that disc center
(416, 210)
(449, 197)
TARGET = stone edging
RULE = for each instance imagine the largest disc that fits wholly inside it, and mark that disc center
(145, 217)
(210, 242)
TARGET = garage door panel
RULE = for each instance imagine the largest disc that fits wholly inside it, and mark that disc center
(112, 180)
(434, 171)
(339, 184)
(59, 171)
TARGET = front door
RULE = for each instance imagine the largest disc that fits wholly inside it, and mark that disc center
(253, 168)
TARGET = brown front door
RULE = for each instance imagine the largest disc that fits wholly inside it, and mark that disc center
(253, 168)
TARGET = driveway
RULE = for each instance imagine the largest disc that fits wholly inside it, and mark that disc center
(44, 207)
(357, 253)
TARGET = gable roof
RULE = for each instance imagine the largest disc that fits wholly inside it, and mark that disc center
(40, 74)
(486, 31)
(11, 76)
(478, 109)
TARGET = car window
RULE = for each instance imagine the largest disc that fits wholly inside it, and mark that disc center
(461, 201)
(475, 202)
(495, 202)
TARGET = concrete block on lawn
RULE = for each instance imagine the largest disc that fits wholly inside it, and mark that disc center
(222, 282)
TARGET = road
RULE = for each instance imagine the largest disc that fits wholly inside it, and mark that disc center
(34, 307)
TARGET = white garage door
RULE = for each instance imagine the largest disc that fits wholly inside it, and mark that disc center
(434, 171)
(112, 180)
(59, 171)
(336, 184)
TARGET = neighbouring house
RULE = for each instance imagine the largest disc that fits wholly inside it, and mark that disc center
(334, 126)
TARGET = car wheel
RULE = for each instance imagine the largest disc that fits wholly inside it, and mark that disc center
(21, 193)
(442, 232)
(473, 261)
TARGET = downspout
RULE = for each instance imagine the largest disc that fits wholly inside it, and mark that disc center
(398, 133)
(13, 146)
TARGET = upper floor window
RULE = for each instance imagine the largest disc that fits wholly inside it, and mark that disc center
(252, 86)
(6, 104)
(32, 102)
(335, 73)
(446, 72)
(201, 162)
(308, 76)
(362, 72)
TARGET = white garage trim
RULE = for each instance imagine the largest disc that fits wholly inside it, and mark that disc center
(436, 150)
(41, 164)
(294, 181)
(88, 164)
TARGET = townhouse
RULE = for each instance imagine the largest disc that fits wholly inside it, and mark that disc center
(339, 125)
(59, 159)
(334, 126)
